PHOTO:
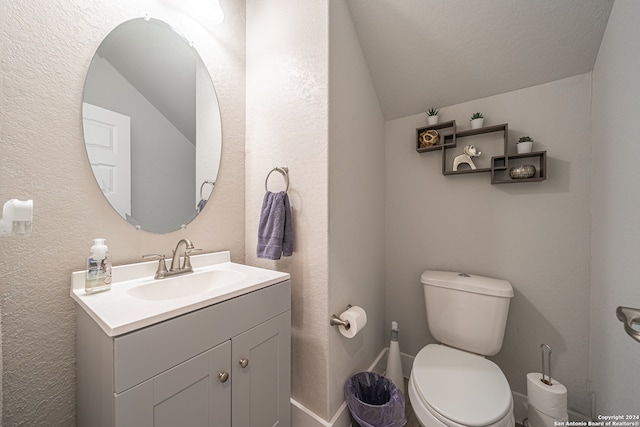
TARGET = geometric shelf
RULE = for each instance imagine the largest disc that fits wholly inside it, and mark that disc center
(492, 142)
(444, 129)
(501, 166)
(493, 139)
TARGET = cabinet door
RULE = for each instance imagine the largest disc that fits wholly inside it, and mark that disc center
(261, 359)
(192, 394)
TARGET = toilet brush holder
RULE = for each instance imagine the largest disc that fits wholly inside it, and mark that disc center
(394, 361)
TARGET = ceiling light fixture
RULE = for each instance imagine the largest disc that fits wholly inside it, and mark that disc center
(217, 14)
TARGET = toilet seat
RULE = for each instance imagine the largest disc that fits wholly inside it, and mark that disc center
(460, 388)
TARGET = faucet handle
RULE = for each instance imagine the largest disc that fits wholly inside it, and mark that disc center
(162, 265)
(187, 259)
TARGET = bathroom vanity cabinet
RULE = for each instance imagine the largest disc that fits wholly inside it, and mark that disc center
(224, 365)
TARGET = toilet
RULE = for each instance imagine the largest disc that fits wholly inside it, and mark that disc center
(451, 383)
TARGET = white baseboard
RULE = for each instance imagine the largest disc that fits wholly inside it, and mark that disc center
(303, 417)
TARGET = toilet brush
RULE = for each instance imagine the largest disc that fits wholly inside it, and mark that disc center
(394, 364)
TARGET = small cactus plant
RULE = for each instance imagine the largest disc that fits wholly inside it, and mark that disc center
(432, 112)
(477, 116)
(525, 139)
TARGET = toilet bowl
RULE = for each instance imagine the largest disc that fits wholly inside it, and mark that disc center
(453, 388)
(451, 383)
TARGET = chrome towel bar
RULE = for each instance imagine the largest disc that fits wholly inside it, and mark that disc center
(628, 316)
(284, 170)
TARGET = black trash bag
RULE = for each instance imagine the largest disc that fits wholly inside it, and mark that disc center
(374, 401)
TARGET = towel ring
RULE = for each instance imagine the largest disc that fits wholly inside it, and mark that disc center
(212, 183)
(284, 171)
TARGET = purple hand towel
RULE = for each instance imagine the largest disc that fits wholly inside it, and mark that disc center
(275, 230)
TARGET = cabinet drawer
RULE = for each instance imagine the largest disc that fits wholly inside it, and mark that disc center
(147, 352)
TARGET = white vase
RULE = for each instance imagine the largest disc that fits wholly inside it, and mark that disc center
(524, 147)
(432, 120)
(477, 123)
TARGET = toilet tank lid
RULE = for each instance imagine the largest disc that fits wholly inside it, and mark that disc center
(468, 283)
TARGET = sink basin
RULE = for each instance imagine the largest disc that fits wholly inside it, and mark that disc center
(185, 285)
(136, 300)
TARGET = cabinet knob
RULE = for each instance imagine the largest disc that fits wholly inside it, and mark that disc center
(223, 376)
(244, 363)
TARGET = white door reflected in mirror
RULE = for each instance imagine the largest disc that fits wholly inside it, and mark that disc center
(108, 140)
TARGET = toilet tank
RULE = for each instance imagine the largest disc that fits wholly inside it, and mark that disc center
(466, 311)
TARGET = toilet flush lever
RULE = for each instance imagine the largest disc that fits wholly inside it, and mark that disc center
(628, 316)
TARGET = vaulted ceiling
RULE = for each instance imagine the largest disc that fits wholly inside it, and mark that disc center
(436, 53)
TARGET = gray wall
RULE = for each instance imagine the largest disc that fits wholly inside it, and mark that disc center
(287, 124)
(311, 105)
(613, 356)
(535, 235)
(356, 203)
(46, 47)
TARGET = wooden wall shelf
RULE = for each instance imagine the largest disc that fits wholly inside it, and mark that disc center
(461, 140)
(499, 161)
(449, 131)
(501, 165)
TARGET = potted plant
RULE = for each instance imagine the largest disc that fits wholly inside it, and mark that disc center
(524, 144)
(432, 116)
(477, 120)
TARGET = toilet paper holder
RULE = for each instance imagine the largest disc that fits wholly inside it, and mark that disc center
(548, 372)
(336, 321)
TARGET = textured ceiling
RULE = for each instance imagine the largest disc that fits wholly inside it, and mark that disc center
(424, 53)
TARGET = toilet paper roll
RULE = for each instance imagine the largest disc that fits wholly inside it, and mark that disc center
(550, 400)
(357, 318)
(540, 419)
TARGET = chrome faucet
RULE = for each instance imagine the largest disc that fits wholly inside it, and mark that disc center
(175, 267)
(175, 261)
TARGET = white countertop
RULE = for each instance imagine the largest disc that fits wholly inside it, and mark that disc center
(118, 312)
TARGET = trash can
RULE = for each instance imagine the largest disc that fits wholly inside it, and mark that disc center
(374, 401)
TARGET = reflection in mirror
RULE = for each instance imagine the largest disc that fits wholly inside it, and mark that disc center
(151, 125)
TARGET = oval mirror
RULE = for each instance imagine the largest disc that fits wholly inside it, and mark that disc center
(151, 125)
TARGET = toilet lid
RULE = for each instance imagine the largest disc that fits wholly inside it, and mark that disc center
(462, 387)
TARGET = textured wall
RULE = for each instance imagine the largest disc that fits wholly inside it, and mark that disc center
(332, 139)
(613, 356)
(535, 235)
(287, 124)
(356, 203)
(47, 46)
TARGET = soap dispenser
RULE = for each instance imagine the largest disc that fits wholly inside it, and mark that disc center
(98, 268)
